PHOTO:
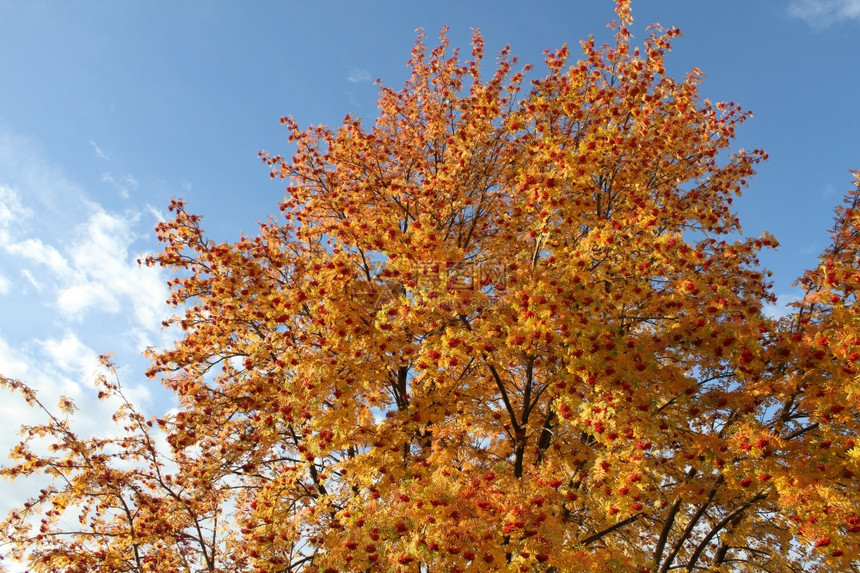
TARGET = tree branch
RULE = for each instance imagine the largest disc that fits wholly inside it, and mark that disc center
(597, 536)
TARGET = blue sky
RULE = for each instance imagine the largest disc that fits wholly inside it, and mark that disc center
(107, 109)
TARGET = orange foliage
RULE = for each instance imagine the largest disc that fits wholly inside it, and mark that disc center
(494, 331)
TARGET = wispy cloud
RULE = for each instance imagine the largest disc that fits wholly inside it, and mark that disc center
(358, 75)
(47, 194)
(123, 187)
(156, 214)
(98, 150)
(11, 208)
(130, 185)
(31, 279)
(824, 13)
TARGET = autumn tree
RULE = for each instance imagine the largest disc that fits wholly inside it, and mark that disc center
(502, 330)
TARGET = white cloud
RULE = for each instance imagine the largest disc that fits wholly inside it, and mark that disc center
(94, 271)
(106, 277)
(357, 75)
(37, 251)
(107, 177)
(5, 285)
(98, 150)
(824, 13)
(71, 355)
(77, 298)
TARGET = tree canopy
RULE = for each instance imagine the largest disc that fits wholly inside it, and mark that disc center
(498, 329)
